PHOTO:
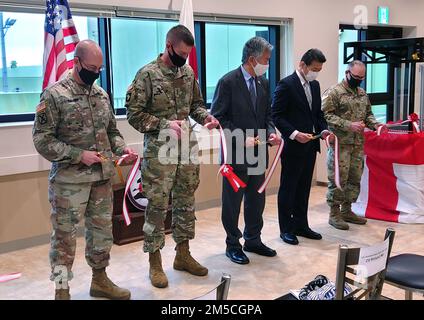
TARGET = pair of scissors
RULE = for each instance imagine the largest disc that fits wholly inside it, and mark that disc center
(316, 136)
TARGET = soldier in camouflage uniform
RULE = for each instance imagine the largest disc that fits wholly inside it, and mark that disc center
(347, 110)
(161, 97)
(75, 129)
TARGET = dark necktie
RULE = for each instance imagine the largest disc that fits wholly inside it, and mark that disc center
(252, 92)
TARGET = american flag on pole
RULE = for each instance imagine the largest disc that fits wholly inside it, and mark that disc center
(187, 20)
(60, 39)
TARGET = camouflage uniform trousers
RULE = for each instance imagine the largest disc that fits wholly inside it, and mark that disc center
(159, 182)
(69, 202)
(351, 165)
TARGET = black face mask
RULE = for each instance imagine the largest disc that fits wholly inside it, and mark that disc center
(87, 76)
(176, 59)
(353, 83)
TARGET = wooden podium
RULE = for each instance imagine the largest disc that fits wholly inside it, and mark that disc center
(123, 234)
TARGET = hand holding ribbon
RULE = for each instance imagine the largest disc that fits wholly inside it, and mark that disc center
(330, 138)
(226, 170)
(413, 118)
(211, 122)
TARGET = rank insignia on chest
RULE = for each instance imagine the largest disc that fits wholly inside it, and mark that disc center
(178, 83)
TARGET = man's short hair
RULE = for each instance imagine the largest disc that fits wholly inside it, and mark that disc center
(313, 55)
(180, 33)
(255, 47)
(355, 63)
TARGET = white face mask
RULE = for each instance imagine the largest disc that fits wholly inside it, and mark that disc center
(311, 76)
(260, 69)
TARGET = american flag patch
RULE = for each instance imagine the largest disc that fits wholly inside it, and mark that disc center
(40, 107)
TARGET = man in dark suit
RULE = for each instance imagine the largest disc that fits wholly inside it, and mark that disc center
(296, 110)
(242, 106)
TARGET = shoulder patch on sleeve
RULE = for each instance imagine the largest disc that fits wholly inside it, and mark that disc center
(42, 117)
(129, 93)
(41, 107)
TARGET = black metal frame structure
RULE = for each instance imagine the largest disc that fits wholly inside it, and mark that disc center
(394, 52)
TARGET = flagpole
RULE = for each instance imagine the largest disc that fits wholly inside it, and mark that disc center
(3, 54)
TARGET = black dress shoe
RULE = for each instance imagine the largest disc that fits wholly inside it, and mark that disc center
(237, 255)
(261, 249)
(308, 233)
(289, 238)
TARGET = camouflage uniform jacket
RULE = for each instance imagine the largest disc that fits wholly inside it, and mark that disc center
(160, 94)
(342, 106)
(69, 119)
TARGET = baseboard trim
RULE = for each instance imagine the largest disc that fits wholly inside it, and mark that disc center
(45, 238)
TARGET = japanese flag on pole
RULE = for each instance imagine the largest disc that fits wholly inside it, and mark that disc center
(187, 20)
(392, 185)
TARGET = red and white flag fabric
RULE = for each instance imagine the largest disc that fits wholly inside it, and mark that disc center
(187, 20)
(392, 184)
(60, 40)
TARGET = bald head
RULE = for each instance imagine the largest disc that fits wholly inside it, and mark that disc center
(85, 49)
(88, 55)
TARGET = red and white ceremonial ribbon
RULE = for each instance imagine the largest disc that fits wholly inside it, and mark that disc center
(235, 182)
(413, 118)
(9, 277)
(336, 158)
(131, 177)
(273, 166)
(226, 170)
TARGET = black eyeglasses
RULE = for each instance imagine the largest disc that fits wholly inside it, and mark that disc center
(357, 77)
(91, 67)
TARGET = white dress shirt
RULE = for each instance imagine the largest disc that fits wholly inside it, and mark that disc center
(304, 84)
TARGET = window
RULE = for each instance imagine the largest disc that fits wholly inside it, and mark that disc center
(380, 76)
(379, 112)
(377, 75)
(376, 81)
(21, 65)
(345, 35)
(224, 45)
(145, 40)
(129, 41)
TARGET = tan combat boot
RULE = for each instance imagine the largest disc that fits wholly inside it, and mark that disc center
(62, 294)
(185, 262)
(349, 216)
(336, 219)
(103, 287)
(157, 276)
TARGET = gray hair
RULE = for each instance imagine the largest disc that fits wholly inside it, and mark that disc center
(355, 63)
(255, 47)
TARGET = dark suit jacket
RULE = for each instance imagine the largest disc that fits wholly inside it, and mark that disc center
(291, 111)
(233, 108)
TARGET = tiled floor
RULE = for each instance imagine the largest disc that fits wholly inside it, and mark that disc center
(263, 278)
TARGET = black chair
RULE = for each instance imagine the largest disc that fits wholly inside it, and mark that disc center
(369, 287)
(406, 271)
